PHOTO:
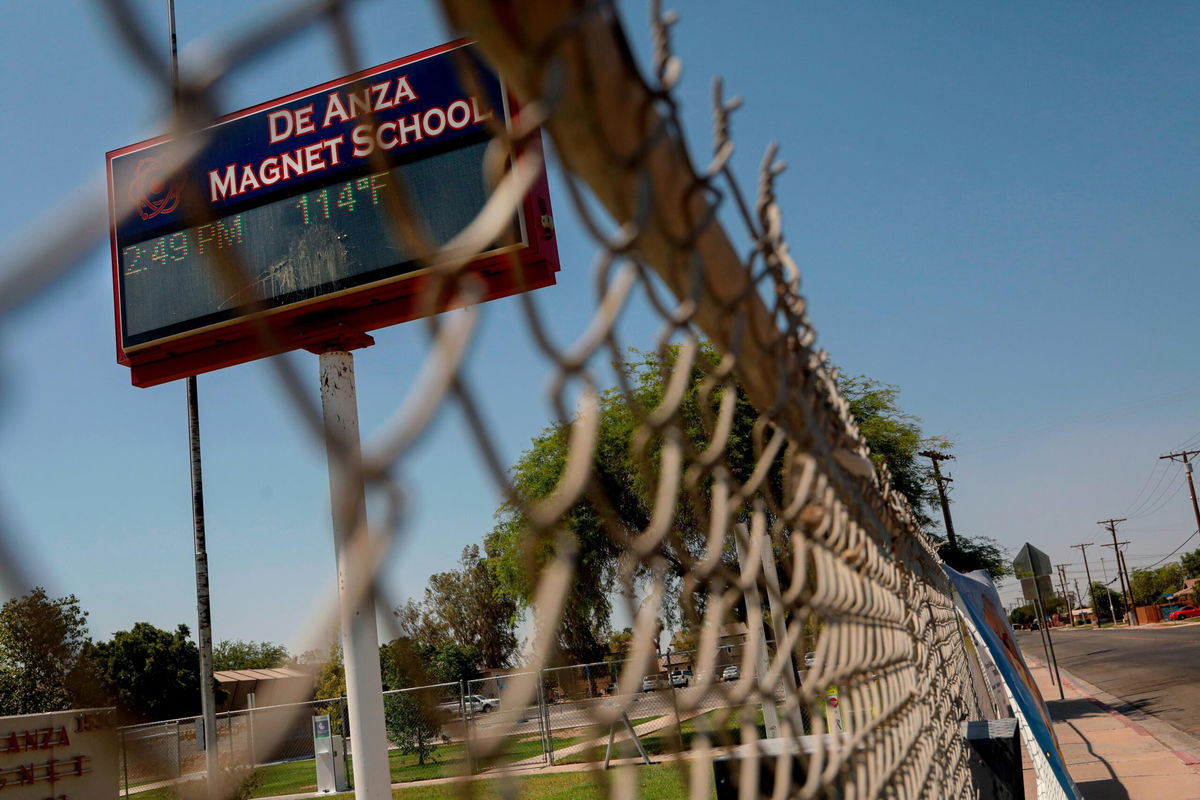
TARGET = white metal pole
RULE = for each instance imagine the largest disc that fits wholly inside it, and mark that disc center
(360, 636)
(774, 598)
(756, 633)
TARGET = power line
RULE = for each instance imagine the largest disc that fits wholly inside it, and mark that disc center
(1160, 505)
(1173, 552)
(1157, 466)
(1195, 437)
(1154, 496)
(1182, 455)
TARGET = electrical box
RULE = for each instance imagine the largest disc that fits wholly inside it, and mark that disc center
(330, 751)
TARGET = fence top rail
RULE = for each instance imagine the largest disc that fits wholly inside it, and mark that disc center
(180, 720)
(446, 685)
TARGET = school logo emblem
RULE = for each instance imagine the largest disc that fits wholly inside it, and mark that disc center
(151, 191)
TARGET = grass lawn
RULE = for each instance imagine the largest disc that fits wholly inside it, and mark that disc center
(657, 782)
(723, 728)
(296, 777)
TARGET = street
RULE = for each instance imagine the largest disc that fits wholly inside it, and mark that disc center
(1156, 670)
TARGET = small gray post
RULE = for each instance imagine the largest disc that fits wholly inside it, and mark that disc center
(250, 704)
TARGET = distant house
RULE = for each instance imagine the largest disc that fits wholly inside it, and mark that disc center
(270, 687)
(1188, 594)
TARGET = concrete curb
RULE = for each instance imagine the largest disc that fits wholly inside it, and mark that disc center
(1182, 745)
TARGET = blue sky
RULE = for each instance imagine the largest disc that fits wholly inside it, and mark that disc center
(993, 206)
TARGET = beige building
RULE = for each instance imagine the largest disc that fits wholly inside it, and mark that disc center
(270, 687)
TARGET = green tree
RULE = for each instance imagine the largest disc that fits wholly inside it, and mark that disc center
(976, 552)
(331, 680)
(1055, 604)
(619, 499)
(43, 663)
(151, 673)
(625, 475)
(476, 613)
(451, 662)
(1022, 615)
(895, 438)
(405, 662)
(414, 726)
(1148, 586)
(1108, 603)
(236, 654)
(416, 621)
(620, 644)
(1190, 563)
(412, 718)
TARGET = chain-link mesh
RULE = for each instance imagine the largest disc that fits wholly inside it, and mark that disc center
(848, 647)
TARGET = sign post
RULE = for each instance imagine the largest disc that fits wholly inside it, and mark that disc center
(200, 547)
(355, 576)
(1032, 567)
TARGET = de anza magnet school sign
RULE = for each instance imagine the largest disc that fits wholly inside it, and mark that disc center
(65, 755)
(299, 195)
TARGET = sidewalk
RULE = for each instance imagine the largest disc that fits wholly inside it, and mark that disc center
(1116, 754)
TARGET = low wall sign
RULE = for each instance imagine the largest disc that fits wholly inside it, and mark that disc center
(65, 755)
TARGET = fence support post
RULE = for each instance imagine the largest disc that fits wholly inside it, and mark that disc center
(125, 760)
(755, 631)
(544, 715)
(462, 707)
(250, 703)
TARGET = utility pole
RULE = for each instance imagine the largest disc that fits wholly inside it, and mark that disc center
(941, 481)
(1183, 456)
(1123, 577)
(1128, 581)
(1062, 583)
(1111, 524)
(1113, 612)
(1091, 586)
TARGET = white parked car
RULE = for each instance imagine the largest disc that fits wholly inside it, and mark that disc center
(731, 673)
(473, 703)
(478, 704)
(650, 683)
(680, 678)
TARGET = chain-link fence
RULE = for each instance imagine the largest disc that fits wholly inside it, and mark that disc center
(435, 731)
(171, 752)
(758, 503)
